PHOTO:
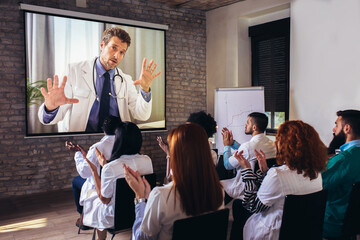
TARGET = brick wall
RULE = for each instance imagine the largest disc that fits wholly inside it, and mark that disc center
(32, 165)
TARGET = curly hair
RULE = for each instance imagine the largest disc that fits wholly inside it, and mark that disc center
(205, 120)
(300, 148)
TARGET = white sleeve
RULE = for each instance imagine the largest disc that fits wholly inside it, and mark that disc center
(270, 190)
(233, 161)
(139, 108)
(107, 181)
(82, 166)
(151, 224)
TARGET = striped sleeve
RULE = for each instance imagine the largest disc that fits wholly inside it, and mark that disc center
(252, 183)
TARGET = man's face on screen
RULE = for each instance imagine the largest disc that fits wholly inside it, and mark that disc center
(112, 53)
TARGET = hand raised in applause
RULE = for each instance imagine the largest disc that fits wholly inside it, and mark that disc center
(138, 184)
(147, 75)
(92, 166)
(244, 163)
(163, 145)
(227, 135)
(100, 156)
(261, 160)
(55, 96)
(75, 147)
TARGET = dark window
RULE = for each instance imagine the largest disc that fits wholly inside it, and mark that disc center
(270, 46)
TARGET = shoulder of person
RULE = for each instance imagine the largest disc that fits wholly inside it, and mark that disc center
(137, 157)
(341, 157)
(84, 63)
(278, 170)
(162, 192)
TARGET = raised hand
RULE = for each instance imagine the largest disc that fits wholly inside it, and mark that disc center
(72, 147)
(92, 166)
(135, 182)
(100, 157)
(244, 163)
(146, 75)
(261, 160)
(228, 139)
(81, 149)
(55, 96)
(163, 145)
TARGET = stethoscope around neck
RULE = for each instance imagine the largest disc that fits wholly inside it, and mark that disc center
(117, 74)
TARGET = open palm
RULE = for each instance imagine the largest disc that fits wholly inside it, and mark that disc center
(55, 96)
(146, 75)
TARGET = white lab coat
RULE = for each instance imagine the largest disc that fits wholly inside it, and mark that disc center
(234, 187)
(98, 214)
(161, 211)
(105, 146)
(279, 182)
(80, 85)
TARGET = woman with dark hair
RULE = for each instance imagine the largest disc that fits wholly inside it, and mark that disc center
(195, 188)
(99, 206)
(301, 156)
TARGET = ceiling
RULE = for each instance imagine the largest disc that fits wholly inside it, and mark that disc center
(204, 5)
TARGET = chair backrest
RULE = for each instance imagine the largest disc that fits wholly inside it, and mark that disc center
(271, 162)
(351, 225)
(124, 202)
(303, 216)
(222, 172)
(212, 225)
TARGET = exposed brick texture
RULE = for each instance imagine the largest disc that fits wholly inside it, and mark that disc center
(33, 165)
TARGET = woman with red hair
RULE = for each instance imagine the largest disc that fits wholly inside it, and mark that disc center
(301, 156)
(195, 188)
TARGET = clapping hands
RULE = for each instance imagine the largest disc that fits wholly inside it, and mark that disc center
(138, 184)
(243, 162)
(227, 135)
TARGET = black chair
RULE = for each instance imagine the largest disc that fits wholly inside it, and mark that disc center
(222, 172)
(207, 226)
(271, 162)
(351, 222)
(303, 216)
(124, 205)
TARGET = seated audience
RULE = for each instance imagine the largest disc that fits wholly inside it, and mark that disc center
(302, 156)
(99, 205)
(343, 170)
(255, 126)
(195, 188)
(81, 184)
(204, 120)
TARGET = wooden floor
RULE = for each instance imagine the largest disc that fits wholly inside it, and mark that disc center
(43, 216)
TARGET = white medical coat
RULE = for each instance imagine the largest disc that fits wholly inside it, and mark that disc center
(98, 214)
(80, 85)
(279, 182)
(105, 146)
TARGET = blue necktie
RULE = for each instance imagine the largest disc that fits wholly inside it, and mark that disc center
(104, 101)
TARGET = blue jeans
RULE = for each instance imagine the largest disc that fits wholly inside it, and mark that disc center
(77, 184)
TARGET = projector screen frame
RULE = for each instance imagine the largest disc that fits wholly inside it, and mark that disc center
(98, 18)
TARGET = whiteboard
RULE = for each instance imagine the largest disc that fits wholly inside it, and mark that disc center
(232, 106)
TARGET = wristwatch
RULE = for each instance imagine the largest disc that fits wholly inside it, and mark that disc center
(136, 201)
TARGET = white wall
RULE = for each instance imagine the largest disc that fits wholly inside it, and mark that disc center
(324, 61)
(324, 54)
(228, 60)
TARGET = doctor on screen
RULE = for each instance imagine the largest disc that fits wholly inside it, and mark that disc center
(96, 88)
